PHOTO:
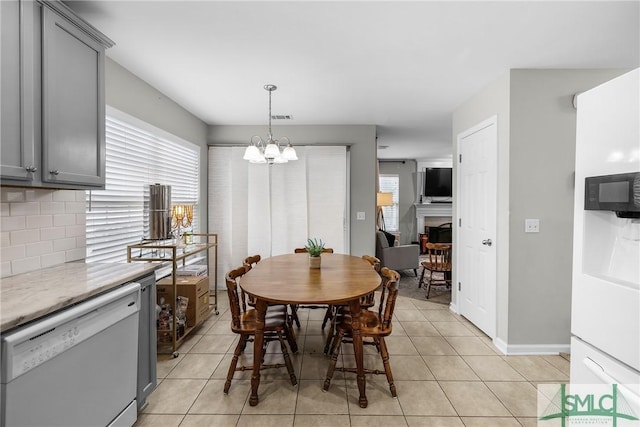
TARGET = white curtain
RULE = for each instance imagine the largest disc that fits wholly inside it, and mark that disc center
(271, 210)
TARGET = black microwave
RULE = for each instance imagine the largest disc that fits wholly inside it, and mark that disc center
(619, 193)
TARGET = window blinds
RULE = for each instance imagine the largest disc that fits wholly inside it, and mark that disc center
(135, 158)
(271, 210)
(390, 183)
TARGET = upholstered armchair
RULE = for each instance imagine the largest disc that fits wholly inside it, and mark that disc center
(403, 257)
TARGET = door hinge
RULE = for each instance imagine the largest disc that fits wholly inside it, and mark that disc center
(459, 286)
(459, 222)
(460, 158)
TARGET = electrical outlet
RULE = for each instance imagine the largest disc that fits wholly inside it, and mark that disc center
(531, 225)
(360, 216)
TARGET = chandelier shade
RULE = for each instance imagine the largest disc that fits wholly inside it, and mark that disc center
(269, 152)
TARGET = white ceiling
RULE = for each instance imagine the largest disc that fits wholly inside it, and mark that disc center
(403, 66)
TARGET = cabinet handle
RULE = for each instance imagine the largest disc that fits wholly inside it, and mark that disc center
(31, 169)
(54, 172)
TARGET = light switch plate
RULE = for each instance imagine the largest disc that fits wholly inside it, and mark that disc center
(531, 225)
(360, 216)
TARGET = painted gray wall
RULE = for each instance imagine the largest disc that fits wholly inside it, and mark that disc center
(362, 142)
(536, 150)
(132, 95)
(542, 158)
(406, 170)
(491, 101)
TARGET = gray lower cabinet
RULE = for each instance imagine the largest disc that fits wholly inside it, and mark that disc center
(147, 345)
(52, 103)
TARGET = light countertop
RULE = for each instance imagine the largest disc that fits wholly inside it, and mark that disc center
(28, 296)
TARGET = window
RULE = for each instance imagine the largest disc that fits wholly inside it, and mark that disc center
(271, 210)
(136, 157)
(390, 183)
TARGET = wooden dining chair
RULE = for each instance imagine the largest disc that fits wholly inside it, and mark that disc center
(243, 322)
(366, 302)
(373, 324)
(294, 308)
(303, 250)
(438, 261)
(252, 261)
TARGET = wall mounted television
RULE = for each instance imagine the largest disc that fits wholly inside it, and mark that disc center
(438, 182)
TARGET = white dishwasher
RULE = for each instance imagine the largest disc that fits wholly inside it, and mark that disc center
(76, 367)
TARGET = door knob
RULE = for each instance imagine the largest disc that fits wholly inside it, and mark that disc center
(487, 242)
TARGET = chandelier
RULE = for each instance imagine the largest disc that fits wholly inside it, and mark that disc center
(269, 152)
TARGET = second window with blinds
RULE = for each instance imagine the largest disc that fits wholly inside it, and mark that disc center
(390, 183)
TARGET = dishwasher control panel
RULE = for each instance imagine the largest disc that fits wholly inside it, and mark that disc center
(32, 345)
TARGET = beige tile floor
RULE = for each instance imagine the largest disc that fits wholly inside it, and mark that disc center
(446, 371)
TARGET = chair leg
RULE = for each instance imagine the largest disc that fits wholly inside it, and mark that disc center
(415, 271)
(421, 278)
(294, 314)
(429, 280)
(291, 338)
(384, 352)
(234, 362)
(287, 359)
(331, 333)
(335, 352)
(328, 315)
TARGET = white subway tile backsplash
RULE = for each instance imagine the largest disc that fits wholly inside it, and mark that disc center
(52, 207)
(61, 245)
(39, 248)
(63, 220)
(81, 241)
(39, 221)
(22, 237)
(25, 265)
(5, 241)
(24, 208)
(40, 228)
(11, 253)
(11, 223)
(75, 207)
(49, 260)
(12, 195)
(52, 233)
(5, 268)
(75, 254)
(75, 230)
(65, 196)
(38, 195)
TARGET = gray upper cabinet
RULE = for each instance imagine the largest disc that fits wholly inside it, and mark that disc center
(53, 125)
(17, 158)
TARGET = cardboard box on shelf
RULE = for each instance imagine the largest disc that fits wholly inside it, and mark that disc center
(195, 288)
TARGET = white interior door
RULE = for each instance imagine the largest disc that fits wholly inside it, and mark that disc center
(477, 222)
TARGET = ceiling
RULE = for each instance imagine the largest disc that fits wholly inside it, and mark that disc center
(402, 66)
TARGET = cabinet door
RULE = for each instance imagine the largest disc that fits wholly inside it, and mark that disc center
(73, 145)
(16, 91)
(147, 345)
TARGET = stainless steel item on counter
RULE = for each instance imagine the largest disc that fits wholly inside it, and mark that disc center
(158, 212)
(76, 367)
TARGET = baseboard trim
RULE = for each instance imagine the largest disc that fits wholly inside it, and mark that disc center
(454, 307)
(531, 349)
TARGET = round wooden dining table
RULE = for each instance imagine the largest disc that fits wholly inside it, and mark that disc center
(287, 279)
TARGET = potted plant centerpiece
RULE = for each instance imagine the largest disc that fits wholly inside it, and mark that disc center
(314, 247)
